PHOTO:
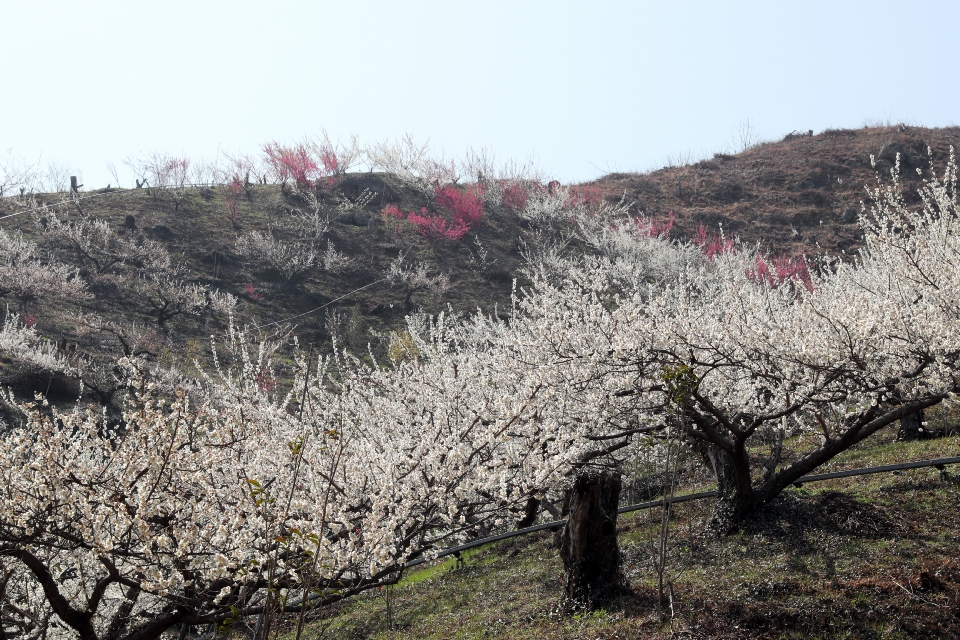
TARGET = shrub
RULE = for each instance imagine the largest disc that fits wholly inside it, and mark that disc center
(465, 208)
(777, 270)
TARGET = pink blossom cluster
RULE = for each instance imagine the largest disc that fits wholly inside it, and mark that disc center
(252, 292)
(513, 196)
(770, 270)
(583, 195)
(462, 211)
(465, 207)
(711, 244)
(302, 165)
(777, 270)
(233, 193)
(652, 229)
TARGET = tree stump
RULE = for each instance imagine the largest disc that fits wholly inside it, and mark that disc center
(588, 543)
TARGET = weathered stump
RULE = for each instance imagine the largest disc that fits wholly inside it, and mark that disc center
(588, 543)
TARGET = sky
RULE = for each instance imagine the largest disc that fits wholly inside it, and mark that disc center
(580, 88)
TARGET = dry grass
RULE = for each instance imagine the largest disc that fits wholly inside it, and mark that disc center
(791, 195)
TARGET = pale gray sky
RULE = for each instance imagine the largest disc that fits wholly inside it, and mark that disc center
(583, 87)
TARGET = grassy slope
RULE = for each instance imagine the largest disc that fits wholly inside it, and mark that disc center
(869, 557)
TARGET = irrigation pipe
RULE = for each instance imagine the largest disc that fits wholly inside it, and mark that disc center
(939, 463)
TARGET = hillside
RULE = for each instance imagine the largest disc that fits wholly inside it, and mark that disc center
(797, 196)
(800, 195)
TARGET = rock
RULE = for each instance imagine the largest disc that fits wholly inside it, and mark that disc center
(163, 233)
(352, 185)
(889, 153)
(915, 161)
(884, 166)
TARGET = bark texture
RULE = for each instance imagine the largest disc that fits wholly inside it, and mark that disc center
(734, 492)
(588, 543)
(911, 427)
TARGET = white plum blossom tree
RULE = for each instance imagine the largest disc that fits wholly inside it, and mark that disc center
(27, 278)
(101, 248)
(241, 504)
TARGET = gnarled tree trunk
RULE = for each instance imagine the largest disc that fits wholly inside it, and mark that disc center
(588, 543)
(738, 496)
(735, 495)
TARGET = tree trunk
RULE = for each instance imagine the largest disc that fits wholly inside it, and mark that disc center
(530, 511)
(911, 427)
(734, 496)
(738, 497)
(588, 544)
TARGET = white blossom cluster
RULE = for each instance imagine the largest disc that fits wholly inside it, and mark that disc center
(102, 248)
(292, 259)
(26, 276)
(29, 350)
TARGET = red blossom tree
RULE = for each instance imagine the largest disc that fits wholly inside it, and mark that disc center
(306, 165)
(465, 207)
(331, 168)
(394, 216)
(233, 192)
(462, 211)
(435, 227)
(291, 163)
